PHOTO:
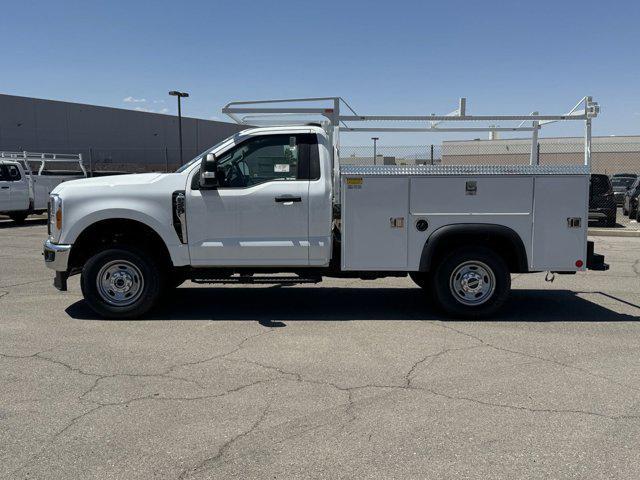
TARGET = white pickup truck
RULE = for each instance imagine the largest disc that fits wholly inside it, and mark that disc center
(273, 205)
(26, 180)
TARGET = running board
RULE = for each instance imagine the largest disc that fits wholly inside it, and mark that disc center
(258, 280)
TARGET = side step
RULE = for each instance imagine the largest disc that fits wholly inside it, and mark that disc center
(258, 280)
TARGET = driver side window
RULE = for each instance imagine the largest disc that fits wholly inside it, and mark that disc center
(259, 160)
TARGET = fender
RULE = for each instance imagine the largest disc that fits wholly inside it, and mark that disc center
(178, 252)
(479, 231)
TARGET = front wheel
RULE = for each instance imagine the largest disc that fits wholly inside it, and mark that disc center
(121, 283)
(471, 282)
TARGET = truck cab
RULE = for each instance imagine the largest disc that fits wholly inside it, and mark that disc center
(14, 190)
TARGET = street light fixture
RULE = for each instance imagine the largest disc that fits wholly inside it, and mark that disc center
(180, 95)
(375, 139)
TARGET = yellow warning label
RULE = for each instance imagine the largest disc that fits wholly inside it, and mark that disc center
(354, 181)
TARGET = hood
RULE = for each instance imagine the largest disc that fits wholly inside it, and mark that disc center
(111, 181)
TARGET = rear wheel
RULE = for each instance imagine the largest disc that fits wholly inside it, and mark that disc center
(121, 283)
(471, 282)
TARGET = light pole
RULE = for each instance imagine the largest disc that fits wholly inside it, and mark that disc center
(180, 95)
(375, 156)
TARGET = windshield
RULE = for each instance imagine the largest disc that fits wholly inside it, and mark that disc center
(622, 181)
(199, 157)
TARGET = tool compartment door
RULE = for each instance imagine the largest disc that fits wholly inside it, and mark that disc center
(374, 222)
(556, 244)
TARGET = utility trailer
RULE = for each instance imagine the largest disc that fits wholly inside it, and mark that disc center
(272, 204)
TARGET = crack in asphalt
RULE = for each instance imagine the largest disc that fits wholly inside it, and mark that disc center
(408, 378)
(349, 406)
(98, 405)
(536, 357)
(209, 463)
(25, 283)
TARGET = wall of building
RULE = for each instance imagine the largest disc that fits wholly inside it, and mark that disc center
(108, 138)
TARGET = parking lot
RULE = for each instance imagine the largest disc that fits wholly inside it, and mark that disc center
(346, 379)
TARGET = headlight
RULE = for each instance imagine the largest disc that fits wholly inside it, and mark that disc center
(55, 216)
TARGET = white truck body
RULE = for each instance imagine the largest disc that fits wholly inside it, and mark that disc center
(533, 202)
(274, 200)
(29, 190)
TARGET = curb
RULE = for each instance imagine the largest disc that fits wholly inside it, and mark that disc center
(608, 232)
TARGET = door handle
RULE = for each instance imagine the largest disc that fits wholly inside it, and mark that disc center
(5, 188)
(286, 198)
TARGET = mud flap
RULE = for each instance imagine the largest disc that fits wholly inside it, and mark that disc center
(595, 261)
(60, 282)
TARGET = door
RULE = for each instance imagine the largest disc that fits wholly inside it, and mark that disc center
(19, 187)
(259, 216)
(5, 189)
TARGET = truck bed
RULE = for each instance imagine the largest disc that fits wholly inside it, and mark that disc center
(381, 206)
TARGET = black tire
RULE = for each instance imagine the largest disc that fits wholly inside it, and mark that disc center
(470, 268)
(625, 212)
(18, 218)
(134, 269)
(421, 279)
(633, 213)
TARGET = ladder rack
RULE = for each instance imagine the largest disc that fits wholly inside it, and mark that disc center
(44, 158)
(327, 112)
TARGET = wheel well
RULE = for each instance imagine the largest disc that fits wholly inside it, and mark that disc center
(502, 240)
(117, 232)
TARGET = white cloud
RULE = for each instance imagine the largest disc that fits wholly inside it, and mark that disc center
(217, 119)
(164, 110)
(131, 99)
(144, 109)
(158, 101)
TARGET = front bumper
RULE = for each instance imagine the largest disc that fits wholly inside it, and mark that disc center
(56, 257)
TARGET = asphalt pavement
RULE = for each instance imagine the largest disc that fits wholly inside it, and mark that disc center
(345, 379)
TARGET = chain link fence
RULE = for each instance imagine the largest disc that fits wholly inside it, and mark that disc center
(606, 158)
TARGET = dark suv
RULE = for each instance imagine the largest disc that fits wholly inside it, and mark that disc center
(602, 205)
(630, 205)
(621, 184)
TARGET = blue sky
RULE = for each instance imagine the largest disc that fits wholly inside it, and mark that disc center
(393, 57)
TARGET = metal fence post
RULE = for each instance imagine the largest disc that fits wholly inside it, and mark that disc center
(432, 154)
(90, 161)
(166, 160)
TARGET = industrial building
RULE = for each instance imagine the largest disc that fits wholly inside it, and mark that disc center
(111, 139)
(609, 155)
(114, 139)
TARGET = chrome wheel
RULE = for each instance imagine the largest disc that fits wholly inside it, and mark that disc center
(120, 283)
(472, 283)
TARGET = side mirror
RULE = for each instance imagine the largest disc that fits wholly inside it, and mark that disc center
(209, 172)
